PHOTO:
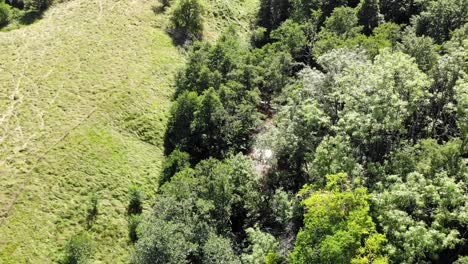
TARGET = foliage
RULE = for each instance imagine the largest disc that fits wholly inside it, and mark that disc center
(263, 245)
(330, 101)
(164, 242)
(340, 26)
(166, 3)
(207, 126)
(304, 9)
(37, 5)
(290, 37)
(341, 30)
(333, 155)
(199, 204)
(174, 163)
(135, 206)
(422, 210)
(336, 222)
(378, 105)
(462, 260)
(449, 72)
(440, 18)
(282, 207)
(219, 250)
(369, 15)
(272, 13)
(400, 11)
(420, 48)
(4, 14)
(187, 18)
(294, 127)
(79, 249)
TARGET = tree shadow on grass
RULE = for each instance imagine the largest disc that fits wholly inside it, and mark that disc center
(158, 9)
(30, 17)
(179, 37)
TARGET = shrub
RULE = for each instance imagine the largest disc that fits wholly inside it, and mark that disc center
(136, 197)
(187, 19)
(79, 249)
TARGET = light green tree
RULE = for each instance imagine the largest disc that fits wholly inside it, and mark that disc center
(337, 225)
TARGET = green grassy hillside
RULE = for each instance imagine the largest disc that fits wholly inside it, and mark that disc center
(84, 94)
(73, 89)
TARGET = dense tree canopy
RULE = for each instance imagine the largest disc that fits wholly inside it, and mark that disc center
(337, 134)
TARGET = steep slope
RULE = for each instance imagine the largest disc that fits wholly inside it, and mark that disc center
(77, 90)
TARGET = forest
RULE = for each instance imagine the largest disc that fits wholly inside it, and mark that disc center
(336, 134)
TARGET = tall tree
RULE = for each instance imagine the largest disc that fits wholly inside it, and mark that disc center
(369, 15)
(208, 127)
(337, 225)
(441, 17)
(272, 13)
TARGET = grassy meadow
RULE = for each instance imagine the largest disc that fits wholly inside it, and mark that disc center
(76, 89)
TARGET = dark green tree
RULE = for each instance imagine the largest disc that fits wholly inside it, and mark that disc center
(440, 18)
(187, 19)
(178, 134)
(135, 205)
(272, 13)
(400, 11)
(369, 15)
(291, 37)
(420, 48)
(4, 14)
(304, 9)
(164, 242)
(337, 30)
(198, 76)
(37, 5)
(208, 127)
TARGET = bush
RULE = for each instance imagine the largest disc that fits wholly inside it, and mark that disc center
(187, 19)
(79, 249)
(4, 14)
(136, 197)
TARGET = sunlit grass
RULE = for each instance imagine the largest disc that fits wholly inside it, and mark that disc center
(69, 86)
